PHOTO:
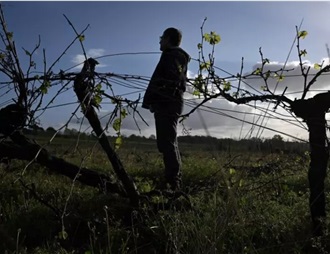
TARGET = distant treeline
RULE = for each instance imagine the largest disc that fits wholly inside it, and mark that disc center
(276, 144)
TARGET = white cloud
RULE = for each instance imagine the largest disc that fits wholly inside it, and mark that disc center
(218, 123)
(224, 119)
(80, 58)
(293, 79)
(95, 52)
(220, 119)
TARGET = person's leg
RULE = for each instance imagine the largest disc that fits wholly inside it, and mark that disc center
(166, 132)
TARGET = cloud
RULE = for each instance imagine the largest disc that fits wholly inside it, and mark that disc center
(293, 78)
(217, 122)
(80, 58)
(218, 118)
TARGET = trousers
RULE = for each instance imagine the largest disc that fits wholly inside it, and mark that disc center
(167, 144)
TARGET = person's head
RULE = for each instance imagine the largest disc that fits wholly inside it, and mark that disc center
(171, 38)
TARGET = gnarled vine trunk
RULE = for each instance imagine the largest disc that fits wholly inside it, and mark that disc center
(313, 112)
(82, 86)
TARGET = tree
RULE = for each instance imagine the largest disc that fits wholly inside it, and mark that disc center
(277, 138)
(50, 130)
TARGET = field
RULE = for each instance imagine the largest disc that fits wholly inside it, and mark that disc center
(236, 201)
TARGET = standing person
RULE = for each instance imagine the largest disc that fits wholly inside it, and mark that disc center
(164, 98)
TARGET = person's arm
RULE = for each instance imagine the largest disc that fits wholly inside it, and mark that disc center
(170, 70)
(168, 76)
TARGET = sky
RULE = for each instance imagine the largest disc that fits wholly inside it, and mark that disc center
(114, 28)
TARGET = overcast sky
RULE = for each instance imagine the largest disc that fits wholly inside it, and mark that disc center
(131, 27)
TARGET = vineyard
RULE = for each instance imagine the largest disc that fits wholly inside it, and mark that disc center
(237, 202)
(84, 191)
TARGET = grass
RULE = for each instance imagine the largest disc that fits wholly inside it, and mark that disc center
(238, 203)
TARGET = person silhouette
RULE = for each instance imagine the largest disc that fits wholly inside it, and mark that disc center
(164, 98)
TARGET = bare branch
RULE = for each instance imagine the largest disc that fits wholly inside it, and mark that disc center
(318, 74)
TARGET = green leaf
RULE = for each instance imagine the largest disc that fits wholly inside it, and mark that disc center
(44, 87)
(118, 142)
(204, 66)
(241, 183)
(232, 171)
(257, 71)
(116, 124)
(199, 45)
(2, 56)
(302, 34)
(215, 38)
(207, 37)
(199, 82)
(43, 90)
(98, 87)
(196, 93)
(123, 113)
(198, 86)
(279, 77)
(226, 86)
(81, 38)
(317, 66)
(263, 88)
(200, 77)
(63, 234)
(97, 99)
(212, 38)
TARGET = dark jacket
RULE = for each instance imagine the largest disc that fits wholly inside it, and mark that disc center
(168, 82)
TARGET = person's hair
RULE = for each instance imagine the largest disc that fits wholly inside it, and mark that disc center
(174, 36)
